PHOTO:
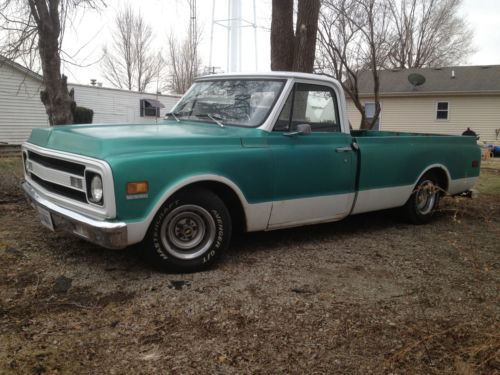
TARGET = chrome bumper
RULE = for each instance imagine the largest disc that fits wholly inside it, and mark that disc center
(112, 235)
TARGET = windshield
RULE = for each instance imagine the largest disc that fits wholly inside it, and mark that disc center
(242, 102)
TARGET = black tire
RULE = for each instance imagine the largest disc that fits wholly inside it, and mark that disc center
(189, 232)
(421, 206)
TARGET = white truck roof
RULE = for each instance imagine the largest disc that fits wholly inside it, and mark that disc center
(279, 75)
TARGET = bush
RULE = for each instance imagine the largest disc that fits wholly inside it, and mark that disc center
(83, 115)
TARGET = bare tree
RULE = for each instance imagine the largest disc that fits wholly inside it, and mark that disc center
(184, 64)
(428, 33)
(291, 50)
(361, 37)
(36, 27)
(353, 40)
(130, 62)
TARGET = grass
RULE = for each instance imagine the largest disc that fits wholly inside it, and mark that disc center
(11, 166)
(489, 182)
(11, 174)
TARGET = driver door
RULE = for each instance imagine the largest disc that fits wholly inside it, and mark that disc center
(314, 174)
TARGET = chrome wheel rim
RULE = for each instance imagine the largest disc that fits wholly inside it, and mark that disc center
(425, 197)
(188, 231)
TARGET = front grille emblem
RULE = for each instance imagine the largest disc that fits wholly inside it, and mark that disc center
(76, 182)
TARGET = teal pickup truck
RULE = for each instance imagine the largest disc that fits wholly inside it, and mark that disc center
(250, 152)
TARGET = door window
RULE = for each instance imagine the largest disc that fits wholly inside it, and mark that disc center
(315, 105)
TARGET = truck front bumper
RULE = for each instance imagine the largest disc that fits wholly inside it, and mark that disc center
(109, 234)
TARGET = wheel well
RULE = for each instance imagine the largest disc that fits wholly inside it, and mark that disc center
(441, 176)
(230, 199)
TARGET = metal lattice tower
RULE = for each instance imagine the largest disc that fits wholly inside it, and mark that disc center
(234, 24)
(193, 31)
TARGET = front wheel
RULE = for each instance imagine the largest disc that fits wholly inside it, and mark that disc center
(424, 200)
(189, 232)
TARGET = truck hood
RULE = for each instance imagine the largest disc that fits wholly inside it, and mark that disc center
(104, 140)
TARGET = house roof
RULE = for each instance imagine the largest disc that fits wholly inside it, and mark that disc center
(22, 69)
(458, 80)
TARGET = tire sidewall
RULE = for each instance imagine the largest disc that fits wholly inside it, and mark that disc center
(412, 212)
(215, 207)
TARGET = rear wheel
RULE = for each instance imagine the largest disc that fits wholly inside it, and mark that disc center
(424, 200)
(189, 232)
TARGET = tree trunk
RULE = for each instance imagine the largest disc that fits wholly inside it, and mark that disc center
(294, 51)
(305, 36)
(282, 36)
(58, 102)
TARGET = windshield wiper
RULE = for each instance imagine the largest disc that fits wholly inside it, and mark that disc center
(215, 118)
(174, 115)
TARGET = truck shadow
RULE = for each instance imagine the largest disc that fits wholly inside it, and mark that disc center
(372, 223)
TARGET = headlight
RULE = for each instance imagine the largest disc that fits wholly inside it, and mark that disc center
(95, 189)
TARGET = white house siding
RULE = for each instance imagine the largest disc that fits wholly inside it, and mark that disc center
(118, 106)
(20, 107)
(353, 114)
(418, 114)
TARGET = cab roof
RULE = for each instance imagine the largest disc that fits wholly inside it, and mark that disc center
(268, 75)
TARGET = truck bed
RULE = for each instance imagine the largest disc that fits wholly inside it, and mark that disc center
(397, 159)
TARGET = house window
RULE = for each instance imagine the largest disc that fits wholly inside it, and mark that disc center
(370, 114)
(442, 111)
(150, 107)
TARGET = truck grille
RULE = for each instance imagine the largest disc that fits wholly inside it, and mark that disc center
(57, 176)
(62, 165)
(59, 189)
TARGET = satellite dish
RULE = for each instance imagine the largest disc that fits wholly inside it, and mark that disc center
(416, 79)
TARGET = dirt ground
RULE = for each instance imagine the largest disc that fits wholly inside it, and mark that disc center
(370, 294)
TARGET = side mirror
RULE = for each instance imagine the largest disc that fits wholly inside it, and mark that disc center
(302, 129)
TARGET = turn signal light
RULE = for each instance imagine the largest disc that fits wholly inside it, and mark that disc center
(137, 188)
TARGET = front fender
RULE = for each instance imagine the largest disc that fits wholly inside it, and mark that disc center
(247, 171)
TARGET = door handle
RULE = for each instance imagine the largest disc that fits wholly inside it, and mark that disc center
(343, 149)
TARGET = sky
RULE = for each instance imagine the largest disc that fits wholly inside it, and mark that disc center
(86, 36)
(91, 30)
(483, 16)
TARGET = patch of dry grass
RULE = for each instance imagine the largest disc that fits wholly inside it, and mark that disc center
(11, 175)
(489, 181)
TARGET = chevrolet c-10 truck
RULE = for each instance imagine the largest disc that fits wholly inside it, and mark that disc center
(248, 152)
